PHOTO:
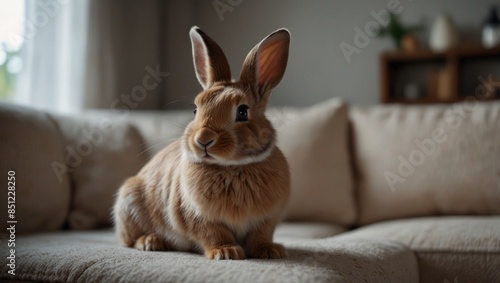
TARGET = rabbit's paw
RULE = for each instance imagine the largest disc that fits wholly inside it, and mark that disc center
(273, 251)
(225, 252)
(151, 242)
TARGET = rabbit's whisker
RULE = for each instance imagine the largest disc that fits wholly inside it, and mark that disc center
(153, 139)
(170, 103)
(160, 143)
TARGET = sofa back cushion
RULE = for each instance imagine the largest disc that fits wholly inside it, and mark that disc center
(100, 153)
(160, 128)
(427, 160)
(315, 143)
(30, 146)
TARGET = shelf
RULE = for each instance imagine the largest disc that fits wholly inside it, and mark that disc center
(419, 55)
(426, 54)
(454, 72)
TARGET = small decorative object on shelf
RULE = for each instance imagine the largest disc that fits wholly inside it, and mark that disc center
(396, 30)
(444, 88)
(411, 91)
(410, 43)
(491, 29)
(444, 34)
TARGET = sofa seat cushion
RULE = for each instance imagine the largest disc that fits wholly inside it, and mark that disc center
(463, 247)
(95, 256)
(308, 230)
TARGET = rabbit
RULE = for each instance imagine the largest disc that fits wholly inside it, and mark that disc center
(222, 188)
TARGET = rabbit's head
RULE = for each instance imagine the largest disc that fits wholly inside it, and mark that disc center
(230, 127)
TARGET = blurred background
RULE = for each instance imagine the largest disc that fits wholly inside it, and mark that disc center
(65, 55)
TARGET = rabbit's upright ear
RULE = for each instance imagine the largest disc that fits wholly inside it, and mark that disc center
(265, 65)
(210, 63)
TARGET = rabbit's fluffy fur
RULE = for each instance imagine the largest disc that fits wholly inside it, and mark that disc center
(224, 186)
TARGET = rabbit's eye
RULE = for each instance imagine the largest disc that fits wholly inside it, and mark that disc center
(195, 111)
(242, 113)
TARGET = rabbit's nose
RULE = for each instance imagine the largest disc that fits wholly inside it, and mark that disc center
(205, 138)
(203, 144)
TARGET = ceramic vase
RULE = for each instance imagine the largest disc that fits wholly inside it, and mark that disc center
(444, 34)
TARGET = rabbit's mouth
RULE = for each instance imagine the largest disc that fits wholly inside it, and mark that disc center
(208, 156)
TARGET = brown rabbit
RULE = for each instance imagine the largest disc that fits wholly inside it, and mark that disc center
(224, 186)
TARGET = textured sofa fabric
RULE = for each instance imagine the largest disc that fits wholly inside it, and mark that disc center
(308, 230)
(31, 146)
(427, 160)
(158, 128)
(314, 141)
(462, 247)
(101, 155)
(95, 256)
(300, 133)
(459, 176)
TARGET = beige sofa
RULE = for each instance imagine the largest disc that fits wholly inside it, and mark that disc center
(380, 194)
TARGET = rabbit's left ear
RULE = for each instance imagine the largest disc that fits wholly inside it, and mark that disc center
(210, 63)
(265, 65)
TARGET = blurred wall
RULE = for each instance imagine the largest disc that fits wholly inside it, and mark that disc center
(317, 68)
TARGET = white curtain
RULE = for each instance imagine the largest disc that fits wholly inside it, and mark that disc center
(86, 53)
(54, 55)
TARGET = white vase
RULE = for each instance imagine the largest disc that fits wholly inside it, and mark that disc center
(491, 36)
(444, 34)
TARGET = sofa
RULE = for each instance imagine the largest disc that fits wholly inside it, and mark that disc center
(379, 194)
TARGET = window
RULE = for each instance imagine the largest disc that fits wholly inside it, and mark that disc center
(11, 42)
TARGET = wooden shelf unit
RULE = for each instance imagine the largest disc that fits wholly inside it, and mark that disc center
(394, 65)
